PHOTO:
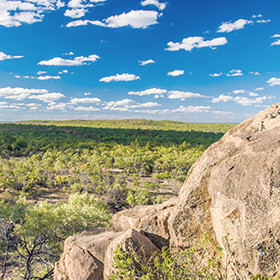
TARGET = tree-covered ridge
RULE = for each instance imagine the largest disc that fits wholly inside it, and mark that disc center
(140, 124)
(21, 139)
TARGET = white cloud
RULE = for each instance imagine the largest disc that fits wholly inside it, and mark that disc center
(260, 88)
(49, 78)
(255, 73)
(47, 97)
(25, 93)
(41, 72)
(84, 100)
(196, 42)
(216, 74)
(59, 106)
(144, 105)
(176, 73)
(87, 93)
(63, 72)
(157, 91)
(222, 98)
(274, 81)
(175, 94)
(75, 13)
(257, 16)
(128, 105)
(253, 94)
(193, 109)
(264, 21)
(275, 36)
(134, 19)
(275, 43)
(245, 101)
(120, 78)
(4, 56)
(229, 27)
(234, 73)
(14, 13)
(119, 105)
(145, 62)
(77, 61)
(160, 6)
(164, 111)
(238, 91)
(86, 109)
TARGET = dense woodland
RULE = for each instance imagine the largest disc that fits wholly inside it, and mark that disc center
(58, 178)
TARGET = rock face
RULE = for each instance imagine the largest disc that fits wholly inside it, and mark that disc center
(233, 188)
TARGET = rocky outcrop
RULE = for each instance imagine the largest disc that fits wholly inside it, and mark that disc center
(233, 188)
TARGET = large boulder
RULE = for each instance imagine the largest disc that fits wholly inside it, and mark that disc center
(234, 188)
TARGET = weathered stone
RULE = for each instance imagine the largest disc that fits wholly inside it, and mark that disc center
(152, 220)
(130, 241)
(235, 188)
(83, 256)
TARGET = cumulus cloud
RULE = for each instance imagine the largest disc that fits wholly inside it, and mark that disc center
(196, 42)
(145, 62)
(222, 98)
(75, 13)
(4, 56)
(275, 43)
(60, 106)
(160, 6)
(63, 72)
(120, 78)
(41, 72)
(242, 100)
(47, 97)
(238, 91)
(216, 74)
(86, 109)
(245, 101)
(48, 78)
(183, 95)
(257, 16)
(274, 82)
(77, 61)
(193, 109)
(176, 73)
(234, 73)
(26, 93)
(260, 88)
(263, 21)
(229, 27)
(151, 91)
(85, 100)
(14, 13)
(255, 73)
(134, 19)
(128, 105)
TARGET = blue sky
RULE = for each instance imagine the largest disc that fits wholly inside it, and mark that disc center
(192, 61)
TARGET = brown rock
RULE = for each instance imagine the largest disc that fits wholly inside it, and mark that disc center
(235, 188)
(83, 256)
(151, 220)
(131, 240)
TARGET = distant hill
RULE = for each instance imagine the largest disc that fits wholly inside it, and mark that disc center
(140, 124)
